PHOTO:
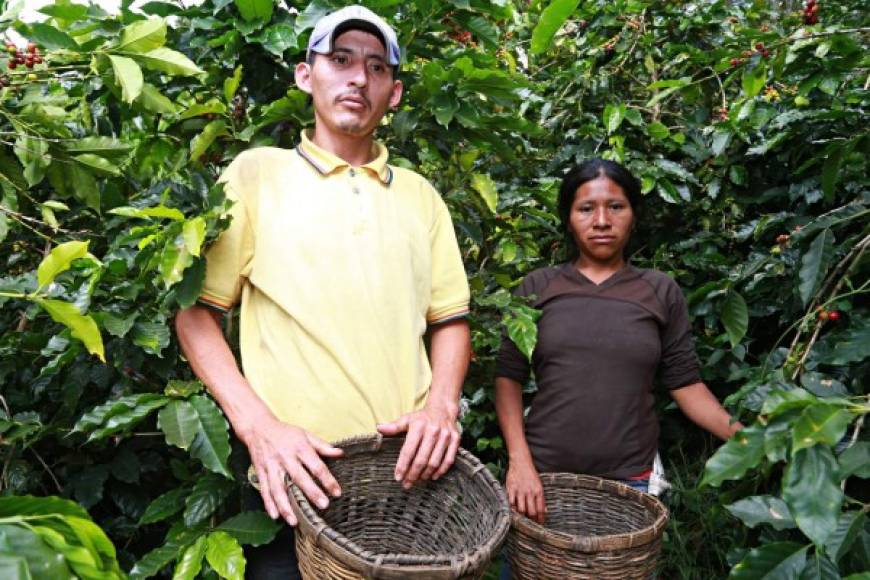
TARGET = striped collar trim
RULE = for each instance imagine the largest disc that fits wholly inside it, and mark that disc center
(325, 162)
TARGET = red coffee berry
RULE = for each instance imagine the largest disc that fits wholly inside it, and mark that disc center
(735, 61)
(31, 47)
(782, 239)
(29, 63)
(37, 59)
(759, 46)
(824, 315)
(12, 64)
(834, 315)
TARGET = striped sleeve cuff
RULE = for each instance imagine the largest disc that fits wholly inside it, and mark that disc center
(449, 316)
(214, 303)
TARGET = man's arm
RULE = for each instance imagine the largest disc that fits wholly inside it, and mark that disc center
(433, 436)
(275, 448)
(702, 407)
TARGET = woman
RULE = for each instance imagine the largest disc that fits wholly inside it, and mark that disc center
(607, 329)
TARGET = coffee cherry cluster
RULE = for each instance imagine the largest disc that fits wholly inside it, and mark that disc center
(829, 315)
(28, 58)
(238, 107)
(760, 50)
(811, 12)
(722, 113)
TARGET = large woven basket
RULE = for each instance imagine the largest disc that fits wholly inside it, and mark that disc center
(595, 528)
(444, 529)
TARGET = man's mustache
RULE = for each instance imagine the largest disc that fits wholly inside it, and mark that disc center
(357, 94)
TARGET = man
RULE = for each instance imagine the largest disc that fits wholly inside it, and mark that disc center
(341, 264)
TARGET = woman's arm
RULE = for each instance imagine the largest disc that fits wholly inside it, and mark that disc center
(703, 408)
(524, 489)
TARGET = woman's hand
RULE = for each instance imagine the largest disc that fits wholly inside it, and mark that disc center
(524, 489)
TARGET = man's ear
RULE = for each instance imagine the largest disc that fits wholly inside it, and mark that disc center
(303, 77)
(396, 95)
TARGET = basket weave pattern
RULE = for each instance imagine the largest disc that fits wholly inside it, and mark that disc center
(595, 529)
(444, 529)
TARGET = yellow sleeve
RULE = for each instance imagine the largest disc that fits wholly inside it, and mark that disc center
(228, 259)
(450, 294)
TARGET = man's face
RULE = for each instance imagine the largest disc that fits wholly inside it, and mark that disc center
(352, 87)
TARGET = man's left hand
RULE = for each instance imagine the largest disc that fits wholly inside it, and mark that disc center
(430, 444)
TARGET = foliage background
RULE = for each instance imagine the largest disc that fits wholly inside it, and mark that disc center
(747, 126)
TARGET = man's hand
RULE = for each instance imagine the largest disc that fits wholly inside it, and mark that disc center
(278, 450)
(430, 444)
(524, 490)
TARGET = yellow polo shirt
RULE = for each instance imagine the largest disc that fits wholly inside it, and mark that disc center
(339, 271)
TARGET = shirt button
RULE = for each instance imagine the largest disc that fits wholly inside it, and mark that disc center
(355, 190)
(352, 173)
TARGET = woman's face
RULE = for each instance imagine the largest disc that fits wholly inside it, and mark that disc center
(601, 221)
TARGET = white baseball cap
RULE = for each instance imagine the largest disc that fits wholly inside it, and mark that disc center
(352, 17)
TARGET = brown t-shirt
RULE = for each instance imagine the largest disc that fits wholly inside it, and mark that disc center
(599, 350)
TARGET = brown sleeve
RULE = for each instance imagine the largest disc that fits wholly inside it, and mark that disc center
(679, 365)
(511, 363)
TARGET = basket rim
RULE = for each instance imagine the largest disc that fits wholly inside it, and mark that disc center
(398, 565)
(586, 543)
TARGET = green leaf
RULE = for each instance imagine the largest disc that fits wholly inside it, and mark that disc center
(211, 445)
(658, 130)
(183, 389)
(157, 559)
(754, 80)
(210, 107)
(224, 555)
(820, 423)
(231, 84)
(189, 289)
(179, 422)
(742, 452)
(811, 489)
(29, 505)
(255, 9)
(190, 562)
(208, 494)
(855, 460)
(174, 259)
(485, 186)
(762, 509)
(143, 35)
(158, 211)
(851, 346)
(522, 328)
(51, 38)
(99, 163)
(164, 506)
(613, 116)
(774, 561)
(40, 561)
(820, 568)
(251, 528)
(278, 39)
(155, 101)
(831, 170)
(128, 75)
(151, 336)
(34, 156)
(814, 265)
(82, 327)
(849, 526)
(168, 61)
(552, 19)
(4, 226)
(735, 317)
(193, 232)
(209, 133)
(59, 260)
(101, 413)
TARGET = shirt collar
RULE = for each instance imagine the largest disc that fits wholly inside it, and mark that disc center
(325, 162)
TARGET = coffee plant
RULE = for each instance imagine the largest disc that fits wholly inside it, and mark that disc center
(745, 121)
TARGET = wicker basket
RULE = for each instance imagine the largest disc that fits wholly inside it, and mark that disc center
(449, 528)
(595, 528)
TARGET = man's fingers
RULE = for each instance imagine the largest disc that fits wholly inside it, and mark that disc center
(542, 505)
(324, 448)
(449, 455)
(421, 458)
(409, 450)
(531, 506)
(400, 425)
(278, 489)
(319, 470)
(521, 503)
(304, 482)
(266, 494)
(437, 455)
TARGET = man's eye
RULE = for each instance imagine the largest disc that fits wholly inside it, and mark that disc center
(339, 59)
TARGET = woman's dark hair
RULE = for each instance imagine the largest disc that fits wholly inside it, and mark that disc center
(588, 171)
